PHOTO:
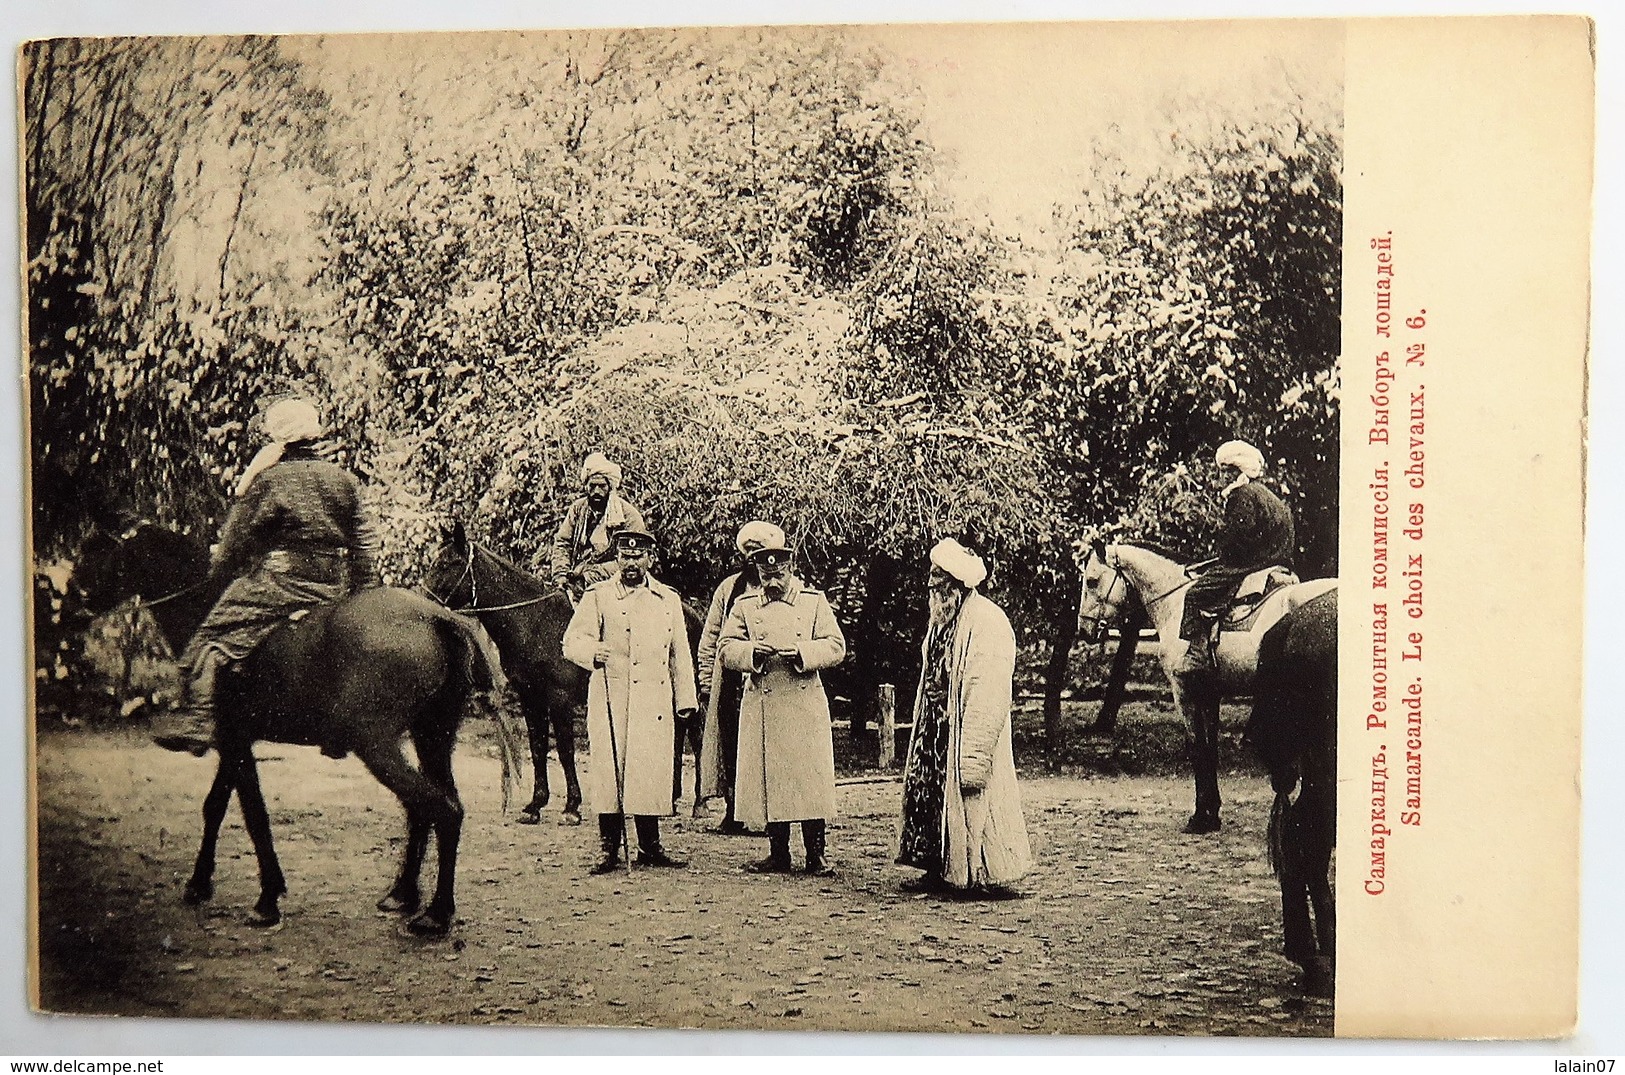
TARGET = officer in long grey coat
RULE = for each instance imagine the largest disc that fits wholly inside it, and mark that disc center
(781, 637)
(630, 633)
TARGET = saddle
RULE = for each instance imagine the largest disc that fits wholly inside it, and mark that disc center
(1242, 611)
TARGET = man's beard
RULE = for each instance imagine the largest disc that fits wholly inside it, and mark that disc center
(945, 603)
(632, 574)
(775, 588)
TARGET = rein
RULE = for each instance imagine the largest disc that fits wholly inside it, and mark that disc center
(1118, 576)
(164, 600)
(474, 591)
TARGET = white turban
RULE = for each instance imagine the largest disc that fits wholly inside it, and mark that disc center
(598, 463)
(293, 420)
(1241, 455)
(959, 562)
(763, 534)
(286, 422)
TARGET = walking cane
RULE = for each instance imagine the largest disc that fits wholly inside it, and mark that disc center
(615, 760)
(620, 778)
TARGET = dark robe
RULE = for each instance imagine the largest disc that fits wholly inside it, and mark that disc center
(1256, 533)
(298, 537)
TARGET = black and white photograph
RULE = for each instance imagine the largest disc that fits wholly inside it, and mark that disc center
(752, 528)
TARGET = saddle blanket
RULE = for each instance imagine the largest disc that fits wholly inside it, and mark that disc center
(1255, 590)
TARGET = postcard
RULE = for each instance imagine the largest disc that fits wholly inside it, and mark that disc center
(1162, 444)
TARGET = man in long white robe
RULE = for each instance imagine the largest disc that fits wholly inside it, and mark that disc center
(962, 821)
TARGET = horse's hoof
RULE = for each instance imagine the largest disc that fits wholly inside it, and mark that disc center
(426, 925)
(1318, 978)
(198, 892)
(1201, 824)
(529, 817)
(572, 817)
(397, 904)
(264, 919)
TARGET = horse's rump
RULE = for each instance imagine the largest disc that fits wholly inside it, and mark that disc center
(380, 655)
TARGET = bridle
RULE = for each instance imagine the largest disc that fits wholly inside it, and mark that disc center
(1119, 577)
(1096, 634)
(473, 578)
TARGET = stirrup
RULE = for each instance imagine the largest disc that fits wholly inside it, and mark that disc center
(188, 731)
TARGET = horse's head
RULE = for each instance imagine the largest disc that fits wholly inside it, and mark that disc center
(145, 561)
(450, 578)
(1105, 595)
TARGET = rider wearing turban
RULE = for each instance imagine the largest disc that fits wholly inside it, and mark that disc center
(298, 536)
(1256, 533)
(584, 546)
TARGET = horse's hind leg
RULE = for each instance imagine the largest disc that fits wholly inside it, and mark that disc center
(536, 726)
(1298, 936)
(1321, 835)
(201, 886)
(273, 886)
(426, 803)
(436, 918)
(561, 708)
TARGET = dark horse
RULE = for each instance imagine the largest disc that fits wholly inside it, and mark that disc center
(361, 675)
(1294, 730)
(526, 619)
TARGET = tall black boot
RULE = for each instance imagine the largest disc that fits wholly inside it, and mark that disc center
(812, 836)
(610, 829)
(778, 857)
(650, 853)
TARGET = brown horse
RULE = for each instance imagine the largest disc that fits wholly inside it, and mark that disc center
(361, 675)
(1294, 729)
(526, 619)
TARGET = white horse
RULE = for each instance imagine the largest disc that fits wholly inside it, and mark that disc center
(1113, 573)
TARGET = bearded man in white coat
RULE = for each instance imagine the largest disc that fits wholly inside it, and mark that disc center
(781, 637)
(629, 632)
(962, 820)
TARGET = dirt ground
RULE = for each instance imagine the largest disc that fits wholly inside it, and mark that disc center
(1127, 926)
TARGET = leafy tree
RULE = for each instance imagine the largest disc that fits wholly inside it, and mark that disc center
(142, 348)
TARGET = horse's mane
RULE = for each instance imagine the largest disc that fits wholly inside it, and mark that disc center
(519, 576)
(148, 538)
(1178, 556)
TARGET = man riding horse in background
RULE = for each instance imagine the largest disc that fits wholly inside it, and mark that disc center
(1256, 532)
(298, 536)
(584, 547)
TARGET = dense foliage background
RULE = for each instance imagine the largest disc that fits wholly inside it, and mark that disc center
(726, 258)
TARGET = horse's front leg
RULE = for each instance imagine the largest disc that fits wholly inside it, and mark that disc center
(561, 709)
(404, 896)
(1201, 708)
(273, 886)
(201, 885)
(536, 727)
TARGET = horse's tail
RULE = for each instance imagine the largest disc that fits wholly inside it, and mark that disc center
(1275, 838)
(482, 685)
